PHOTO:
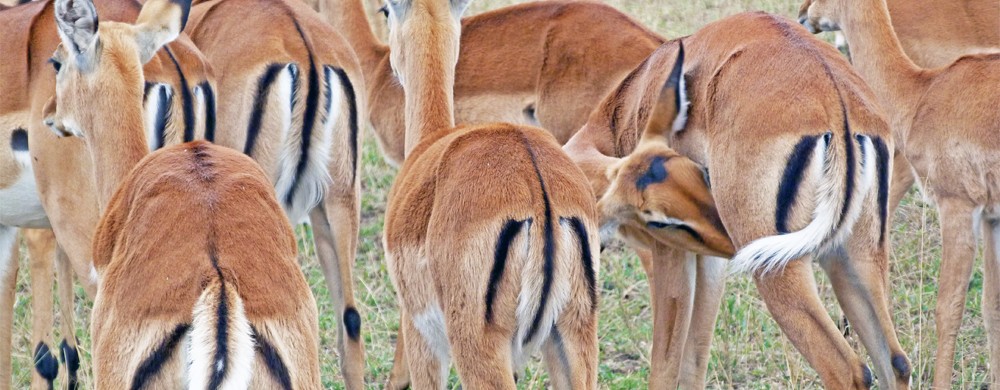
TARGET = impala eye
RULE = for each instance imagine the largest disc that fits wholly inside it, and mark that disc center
(55, 64)
(659, 225)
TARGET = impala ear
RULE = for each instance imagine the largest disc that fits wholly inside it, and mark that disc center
(77, 22)
(670, 109)
(159, 23)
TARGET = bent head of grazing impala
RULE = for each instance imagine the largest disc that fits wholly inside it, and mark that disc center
(199, 284)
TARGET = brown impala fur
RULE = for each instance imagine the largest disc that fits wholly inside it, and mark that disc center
(947, 125)
(490, 230)
(542, 72)
(288, 89)
(934, 33)
(239, 305)
(65, 185)
(772, 165)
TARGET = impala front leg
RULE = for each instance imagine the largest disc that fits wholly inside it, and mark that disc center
(8, 274)
(41, 251)
(957, 256)
(991, 294)
(672, 282)
(710, 285)
(69, 354)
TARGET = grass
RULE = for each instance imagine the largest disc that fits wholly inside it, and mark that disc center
(748, 349)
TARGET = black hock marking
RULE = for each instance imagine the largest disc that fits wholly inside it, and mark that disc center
(46, 364)
(849, 184)
(882, 156)
(352, 323)
(352, 105)
(221, 325)
(866, 376)
(548, 247)
(901, 366)
(506, 238)
(71, 359)
(209, 95)
(162, 116)
(152, 365)
(264, 84)
(309, 117)
(586, 258)
(656, 173)
(19, 140)
(272, 359)
(186, 100)
(791, 179)
(185, 10)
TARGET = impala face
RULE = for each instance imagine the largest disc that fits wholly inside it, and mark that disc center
(409, 36)
(669, 195)
(820, 15)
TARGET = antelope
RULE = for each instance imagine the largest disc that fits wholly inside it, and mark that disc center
(824, 197)
(241, 307)
(954, 154)
(934, 34)
(490, 230)
(178, 96)
(292, 104)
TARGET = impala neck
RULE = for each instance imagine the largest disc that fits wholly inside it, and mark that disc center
(352, 22)
(429, 84)
(117, 142)
(879, 58)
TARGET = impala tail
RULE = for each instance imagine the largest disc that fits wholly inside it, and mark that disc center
(846, 175)
(222, 351)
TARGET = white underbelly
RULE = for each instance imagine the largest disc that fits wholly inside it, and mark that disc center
(20, 205)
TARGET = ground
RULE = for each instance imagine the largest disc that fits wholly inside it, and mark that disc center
(748, 349)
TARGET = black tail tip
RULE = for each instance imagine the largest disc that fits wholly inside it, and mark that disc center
(45, 363)
(352, 323)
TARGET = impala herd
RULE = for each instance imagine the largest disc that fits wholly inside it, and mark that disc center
(162, 152)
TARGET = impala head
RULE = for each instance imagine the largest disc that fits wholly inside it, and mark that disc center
(821, 15)
(99, 65)
(418, 28)
(656, 188)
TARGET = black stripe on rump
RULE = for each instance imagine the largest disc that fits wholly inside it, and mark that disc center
(587, 258)
(849, 180)
(882, 156)
(264, 84)
(162, 116)
(152, 365)
(548, 248)
(221, 325)
(272, 359)
(209, 95)
(309, 117)
(19, 140)
(791, 180)
(186, 100)
(504, 241)
(352, 105)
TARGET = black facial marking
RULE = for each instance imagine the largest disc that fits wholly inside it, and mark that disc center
(656, 173)
(19, 140)
(275, 365)
(792, 179)
(507, 234)
(209, 94)
(309, 117)
(548, 248)
(187, 104)
(352, 105)
(264, 84)
(352, 323)
(46, 364)
(71, 359)
(586, 259)
(882, 157)
(152, 365)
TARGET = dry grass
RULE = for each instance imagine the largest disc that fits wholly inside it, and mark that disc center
(748, 351)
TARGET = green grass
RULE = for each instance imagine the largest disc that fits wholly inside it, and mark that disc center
(748, 349)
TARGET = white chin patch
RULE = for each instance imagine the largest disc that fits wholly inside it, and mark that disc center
(828, 25)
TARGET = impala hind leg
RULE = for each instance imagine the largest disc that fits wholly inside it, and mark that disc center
(672, 282)
(957, 256)
(710, 284)
(41, 252)
(991, 295)
(791, 298)
(8, 276)
(902, 180)
(570, 352)
(68, 352)
(399, 376)
(427, 357)
(335, 230)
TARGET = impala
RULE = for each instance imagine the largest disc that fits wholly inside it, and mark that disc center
(812, 183)
(178, 95)
(199, 283)
(954, 151)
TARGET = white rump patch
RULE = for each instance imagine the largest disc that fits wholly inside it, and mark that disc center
(201, 359)
(685, 104)
(151, 111)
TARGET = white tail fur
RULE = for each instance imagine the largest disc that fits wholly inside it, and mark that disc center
(773, 253)
(233, 368)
